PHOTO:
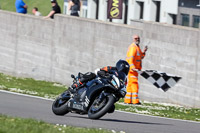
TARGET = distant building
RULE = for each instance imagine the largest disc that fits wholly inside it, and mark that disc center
(181, 12)
(163, 11)
(189, 13)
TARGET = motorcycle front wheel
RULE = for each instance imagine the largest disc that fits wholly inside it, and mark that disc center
(99, 109)
(59, 106)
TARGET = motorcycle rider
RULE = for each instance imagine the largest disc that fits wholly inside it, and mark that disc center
(121, 66)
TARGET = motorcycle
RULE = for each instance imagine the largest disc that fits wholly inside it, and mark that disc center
(95, 97)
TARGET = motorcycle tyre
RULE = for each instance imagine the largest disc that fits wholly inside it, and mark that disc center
(104, 110)
(112, 109)
(62, 110)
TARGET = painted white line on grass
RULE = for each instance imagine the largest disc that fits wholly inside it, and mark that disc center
(116, 110)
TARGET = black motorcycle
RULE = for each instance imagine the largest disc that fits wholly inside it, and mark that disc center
(95, 97)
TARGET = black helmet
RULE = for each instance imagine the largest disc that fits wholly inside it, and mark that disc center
(123, 66)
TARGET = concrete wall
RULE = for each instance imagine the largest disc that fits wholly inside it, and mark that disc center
(175, 50)
(25, 45)
(54, 49)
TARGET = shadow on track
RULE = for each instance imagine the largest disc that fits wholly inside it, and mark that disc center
(120, 121)
(125, 121)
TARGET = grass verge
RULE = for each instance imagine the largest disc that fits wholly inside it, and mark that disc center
(51, 90)
(31, 86)
(19, 125)
(162, 110)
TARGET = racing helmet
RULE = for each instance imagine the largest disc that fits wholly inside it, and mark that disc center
(123, 66)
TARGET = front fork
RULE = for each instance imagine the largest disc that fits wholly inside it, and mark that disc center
(103, 95)
(65, 95)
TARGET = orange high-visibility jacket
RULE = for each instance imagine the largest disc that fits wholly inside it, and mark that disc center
(134, 57)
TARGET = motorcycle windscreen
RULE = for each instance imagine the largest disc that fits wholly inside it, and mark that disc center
(121, 76)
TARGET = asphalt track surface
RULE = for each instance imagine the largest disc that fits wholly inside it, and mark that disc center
(33, 107)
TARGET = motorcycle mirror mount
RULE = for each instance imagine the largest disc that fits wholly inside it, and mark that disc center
(73, 76)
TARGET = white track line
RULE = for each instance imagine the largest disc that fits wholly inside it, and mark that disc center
(20, 94)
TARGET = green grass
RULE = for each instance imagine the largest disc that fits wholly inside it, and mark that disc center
(51, 90)
(31, 86)
(19, 125)
(44, 6)
(169, 111)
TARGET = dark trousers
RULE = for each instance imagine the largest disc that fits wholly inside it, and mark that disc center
(75, 14)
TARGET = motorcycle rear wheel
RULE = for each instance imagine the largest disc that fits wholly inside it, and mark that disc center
(97, 110)
(59, 106)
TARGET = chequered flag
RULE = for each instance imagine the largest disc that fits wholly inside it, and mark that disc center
(160, 79)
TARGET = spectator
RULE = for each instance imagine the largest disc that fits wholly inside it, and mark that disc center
(21, 7)
(134, 58)
(55, 9)
(74, 7)
(36, 12)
